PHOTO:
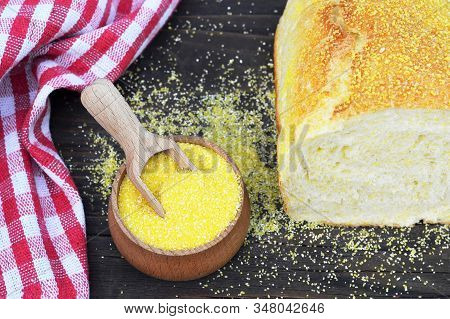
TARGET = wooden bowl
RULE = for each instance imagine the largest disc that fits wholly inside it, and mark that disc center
(181, 265)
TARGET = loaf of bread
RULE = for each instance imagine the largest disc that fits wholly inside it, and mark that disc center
(363, 111)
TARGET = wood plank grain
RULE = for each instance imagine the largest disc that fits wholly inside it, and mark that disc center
(246, 30)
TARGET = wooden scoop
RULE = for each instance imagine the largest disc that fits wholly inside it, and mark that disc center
(112, 112)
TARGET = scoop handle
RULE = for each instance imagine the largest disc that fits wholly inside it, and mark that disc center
(109, 108)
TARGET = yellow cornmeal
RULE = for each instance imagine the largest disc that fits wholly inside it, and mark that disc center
(199, 205)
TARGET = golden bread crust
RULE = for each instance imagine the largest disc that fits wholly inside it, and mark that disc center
(358, 56)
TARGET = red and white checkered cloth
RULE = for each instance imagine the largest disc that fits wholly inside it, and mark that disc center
(45, 45)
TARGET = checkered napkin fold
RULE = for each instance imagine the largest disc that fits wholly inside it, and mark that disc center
(46, 45)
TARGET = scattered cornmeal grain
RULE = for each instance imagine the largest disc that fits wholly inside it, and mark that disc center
(199, 204)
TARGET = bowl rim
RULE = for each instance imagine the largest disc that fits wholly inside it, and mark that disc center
(121, 173)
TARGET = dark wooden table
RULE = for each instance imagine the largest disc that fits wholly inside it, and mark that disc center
(242, 29)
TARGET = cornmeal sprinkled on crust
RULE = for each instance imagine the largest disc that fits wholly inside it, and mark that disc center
(374, 54)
